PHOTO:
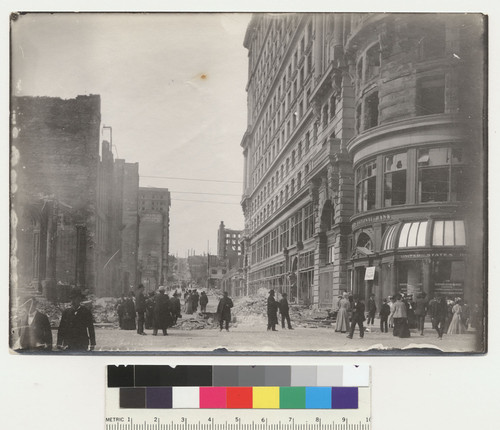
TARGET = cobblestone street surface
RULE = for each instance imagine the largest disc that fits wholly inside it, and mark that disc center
(256, 338)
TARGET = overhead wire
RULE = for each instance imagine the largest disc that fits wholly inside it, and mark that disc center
(191, 179)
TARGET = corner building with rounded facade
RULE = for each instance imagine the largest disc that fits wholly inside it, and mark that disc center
(364, 155)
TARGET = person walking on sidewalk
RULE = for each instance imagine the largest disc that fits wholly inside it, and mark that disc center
(372, 310)
(203, 301)
(272, 309)
(385, 311)
(357, 317)
(140, 308)
(439, 317)
(421, 312)
(284, 311)
(342, 323)
(224, 310)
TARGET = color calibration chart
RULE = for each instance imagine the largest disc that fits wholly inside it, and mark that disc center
(157, 397)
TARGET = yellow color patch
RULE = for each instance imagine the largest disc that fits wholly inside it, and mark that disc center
(266, 397)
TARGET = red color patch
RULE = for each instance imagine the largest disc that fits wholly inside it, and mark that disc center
(239, 397)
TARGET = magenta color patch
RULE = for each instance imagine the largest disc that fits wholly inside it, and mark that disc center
(213, 397)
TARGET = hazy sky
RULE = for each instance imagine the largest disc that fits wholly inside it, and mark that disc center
(172, 87)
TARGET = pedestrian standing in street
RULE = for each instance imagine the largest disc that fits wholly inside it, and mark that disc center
(390, 321)
(140, 308)
(150, 305)
(34, 328)
(120, 310)
(357, 317)
(456, 326)
(196, 300)
(372, 310)
(284, 309)
(421, 312)
(440, 315)
(161, 312)
(129, 313)
(272, 309)
(224, 310)
(203, 301)
(175, 305)
(76, 329)
(433, 308)
(189, 305)
(385, 311)
(342, 323)
(400, 316)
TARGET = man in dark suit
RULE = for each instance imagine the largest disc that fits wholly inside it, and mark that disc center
(272, 309)
(357, 317)
(224, 310)
(284, 311)
(140, 308)
(76, 329)
(34, 328)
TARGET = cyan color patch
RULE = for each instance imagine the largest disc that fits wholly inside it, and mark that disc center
(318, 397)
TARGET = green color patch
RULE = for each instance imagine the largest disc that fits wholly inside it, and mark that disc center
(292, 397)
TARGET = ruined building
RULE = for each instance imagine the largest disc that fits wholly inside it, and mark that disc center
(71, 201)
(363, 155)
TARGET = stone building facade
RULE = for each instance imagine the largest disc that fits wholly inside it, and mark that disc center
(352, 119)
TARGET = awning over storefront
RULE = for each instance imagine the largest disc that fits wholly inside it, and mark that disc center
(414, 234)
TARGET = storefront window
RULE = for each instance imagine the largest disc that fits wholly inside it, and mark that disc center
(395, 179)
(440, 175)
(366, 176)
(448, 277)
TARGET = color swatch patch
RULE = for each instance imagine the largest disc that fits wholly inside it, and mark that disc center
(239, 398)
(238, 387)
(238, 376)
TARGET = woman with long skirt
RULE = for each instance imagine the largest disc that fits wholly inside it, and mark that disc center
(342, 324)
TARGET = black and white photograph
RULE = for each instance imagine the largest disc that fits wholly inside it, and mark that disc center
(248, 183)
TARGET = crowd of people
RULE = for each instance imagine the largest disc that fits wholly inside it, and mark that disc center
(159, 311)
(402, 313)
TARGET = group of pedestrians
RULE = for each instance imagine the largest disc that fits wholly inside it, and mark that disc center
(76, 328)
(403, 313)
(158, 311)
(273, 307)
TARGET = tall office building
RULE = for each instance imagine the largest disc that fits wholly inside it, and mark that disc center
(361, 165)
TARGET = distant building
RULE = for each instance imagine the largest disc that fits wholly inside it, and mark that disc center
(127, 174)
(154, 220)
(364, 155)
(198, 269)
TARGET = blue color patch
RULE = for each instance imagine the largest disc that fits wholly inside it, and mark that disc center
(344, 397)
(318, 397)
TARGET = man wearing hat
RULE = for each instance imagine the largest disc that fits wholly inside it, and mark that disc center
(161, 315)
(272, 308)
(76, 329)
(224, 310)
(34, 328)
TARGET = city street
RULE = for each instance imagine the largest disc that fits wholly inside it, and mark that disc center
(245, 338)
